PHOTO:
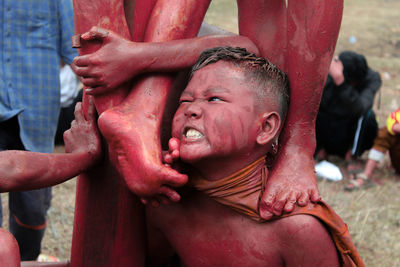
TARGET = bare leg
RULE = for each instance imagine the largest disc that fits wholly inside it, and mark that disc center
(312, 28)
(132, 129)
(109, 220)
(306, 34)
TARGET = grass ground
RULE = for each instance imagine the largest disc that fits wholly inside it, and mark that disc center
(373, 215)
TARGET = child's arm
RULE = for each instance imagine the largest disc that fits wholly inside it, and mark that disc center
(24, 170)
(118, 60)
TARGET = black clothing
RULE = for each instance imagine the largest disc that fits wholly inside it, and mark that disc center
(342, 106)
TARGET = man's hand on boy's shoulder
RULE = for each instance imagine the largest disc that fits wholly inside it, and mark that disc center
(84, 136)
(167, 194)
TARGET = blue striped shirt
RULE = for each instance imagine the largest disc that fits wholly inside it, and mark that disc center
(34, 35)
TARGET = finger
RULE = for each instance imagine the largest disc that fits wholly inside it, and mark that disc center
(91, 114)
(168, 158)
(175, 155)
(95, 33)
(81, 61)
(303, 200)
(78, 112)
(173, 144)
(169, 193)
(289, 206)
(91, 82)
(81, 71)
(315, 196)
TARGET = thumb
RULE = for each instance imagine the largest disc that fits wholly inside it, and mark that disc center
(95, 33)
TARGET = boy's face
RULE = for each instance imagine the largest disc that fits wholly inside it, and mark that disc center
(216, 116)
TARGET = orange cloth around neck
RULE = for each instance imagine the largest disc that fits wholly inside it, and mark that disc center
(242, 190)
(239, 191)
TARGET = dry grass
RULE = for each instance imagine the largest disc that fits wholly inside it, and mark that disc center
(373, 215)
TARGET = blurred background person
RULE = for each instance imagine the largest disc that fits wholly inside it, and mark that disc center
(346, 125)
(388, 140)
(35, 34)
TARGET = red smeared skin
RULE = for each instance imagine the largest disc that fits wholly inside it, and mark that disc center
(24, 170)
(119, 59)
(311, 32)
(219, 104)
(102, 199)
(9, 250)
(132, 129)
(294, 241)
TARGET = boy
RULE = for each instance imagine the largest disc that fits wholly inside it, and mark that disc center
(24, 170)
(227, 124)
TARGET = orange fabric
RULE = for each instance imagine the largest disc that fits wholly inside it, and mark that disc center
(242, 190)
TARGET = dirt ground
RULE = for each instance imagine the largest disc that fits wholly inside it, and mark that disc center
(371, 27)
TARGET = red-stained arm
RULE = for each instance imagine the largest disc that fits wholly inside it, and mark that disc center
(119, 59)
(24, 170)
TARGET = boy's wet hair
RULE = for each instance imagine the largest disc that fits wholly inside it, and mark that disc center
(270, 78)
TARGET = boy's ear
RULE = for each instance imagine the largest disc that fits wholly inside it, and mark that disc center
(271, 123)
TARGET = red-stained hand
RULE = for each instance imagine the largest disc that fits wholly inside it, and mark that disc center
(117, 61)
(291, 180)
(169, 158)
(84, 136)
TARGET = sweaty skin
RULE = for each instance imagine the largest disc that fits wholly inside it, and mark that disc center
(287, 36)
(24, 170)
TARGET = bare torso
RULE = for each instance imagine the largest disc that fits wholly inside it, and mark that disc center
(206, 233)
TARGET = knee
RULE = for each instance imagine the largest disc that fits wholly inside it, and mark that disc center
(9, 251)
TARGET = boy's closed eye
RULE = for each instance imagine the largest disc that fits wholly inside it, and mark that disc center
(215, 99)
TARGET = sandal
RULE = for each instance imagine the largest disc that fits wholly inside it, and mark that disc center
(354, 185)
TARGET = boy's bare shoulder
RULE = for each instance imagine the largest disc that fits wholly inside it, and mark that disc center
(307, 241)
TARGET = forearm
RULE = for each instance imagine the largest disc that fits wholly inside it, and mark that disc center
(179, 54)
(24, 170)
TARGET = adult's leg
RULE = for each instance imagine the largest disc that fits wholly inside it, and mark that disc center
(109, 220)
(132, 129)
(312, 28)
